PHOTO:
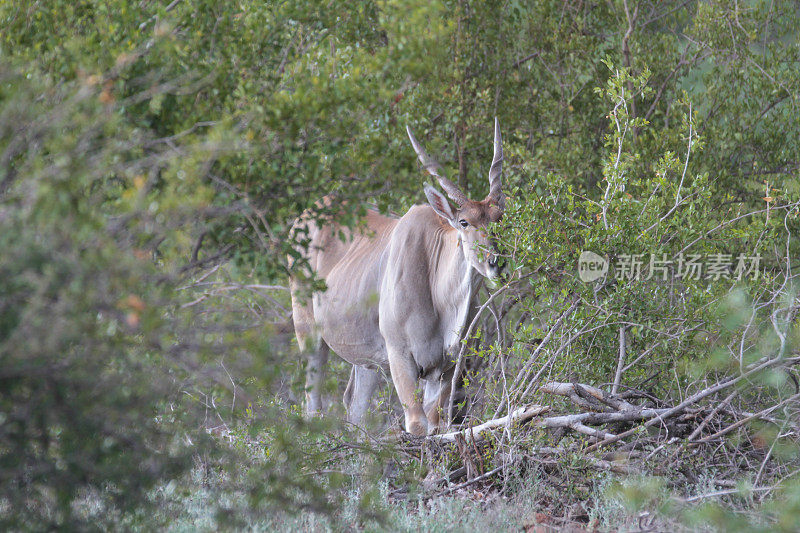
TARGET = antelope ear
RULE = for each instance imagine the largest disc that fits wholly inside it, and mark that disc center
(440, 204)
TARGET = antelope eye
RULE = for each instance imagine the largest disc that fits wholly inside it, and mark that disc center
(463, 223)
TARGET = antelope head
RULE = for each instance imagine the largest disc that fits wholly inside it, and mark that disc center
(471, 218)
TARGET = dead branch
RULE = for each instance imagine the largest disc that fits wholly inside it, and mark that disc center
(460, 358)
(746, 420)
(620, 361)
(580, 393)
(543, 455)
(472, 481)
(571, 421)
(699, 396)
(520, 415)
(711, 415)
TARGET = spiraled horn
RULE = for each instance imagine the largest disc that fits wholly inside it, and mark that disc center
(495, 185)
(435, 169)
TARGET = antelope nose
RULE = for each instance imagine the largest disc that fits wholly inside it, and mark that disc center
(496, 263)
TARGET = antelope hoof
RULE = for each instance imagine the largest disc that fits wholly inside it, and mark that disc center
(434, 429)
(418, 428)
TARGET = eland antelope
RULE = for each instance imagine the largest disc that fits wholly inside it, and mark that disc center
(399, 294)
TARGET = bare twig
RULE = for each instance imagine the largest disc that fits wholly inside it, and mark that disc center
(697, 397)
(460, 358)
(472, 481)
(620, 361)
(745, 420)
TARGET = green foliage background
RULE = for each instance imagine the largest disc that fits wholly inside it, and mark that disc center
(146, 142)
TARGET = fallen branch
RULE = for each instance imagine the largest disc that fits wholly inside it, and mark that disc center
(545, 451)
(727, 492)
(454, 488)
(613, 466)
(575, 421)
(582, 395)
(520, 415)
(744, 421)
(711, 415)
(696, 398)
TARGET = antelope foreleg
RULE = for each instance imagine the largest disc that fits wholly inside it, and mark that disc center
(405, 376)
(437, 399)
